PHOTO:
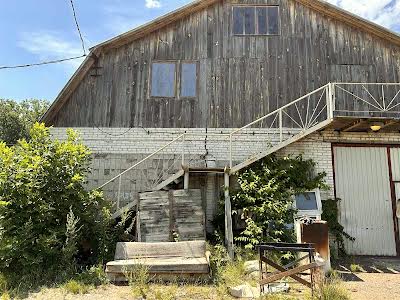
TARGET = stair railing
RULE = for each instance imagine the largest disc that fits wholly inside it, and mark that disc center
(146, 173)
(277, 128)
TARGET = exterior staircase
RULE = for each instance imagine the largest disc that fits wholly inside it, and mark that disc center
(175, 161)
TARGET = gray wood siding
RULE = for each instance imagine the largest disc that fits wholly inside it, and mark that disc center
(241, 78)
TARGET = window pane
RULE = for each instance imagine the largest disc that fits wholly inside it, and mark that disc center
(238, 19)
(189, 80)
(163, 80)
(273, 20)
(306, 201)
(262, 20)
(249, 20)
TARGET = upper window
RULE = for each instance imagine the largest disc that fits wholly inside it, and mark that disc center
(166, 75)
(256, 20)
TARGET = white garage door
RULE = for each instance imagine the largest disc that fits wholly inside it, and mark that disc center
(362, 182)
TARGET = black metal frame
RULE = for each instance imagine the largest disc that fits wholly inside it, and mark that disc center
(290, 268)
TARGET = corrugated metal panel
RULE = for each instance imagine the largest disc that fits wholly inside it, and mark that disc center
(395, 159)
(362, 182)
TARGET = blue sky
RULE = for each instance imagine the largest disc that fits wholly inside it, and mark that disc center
(37, 30)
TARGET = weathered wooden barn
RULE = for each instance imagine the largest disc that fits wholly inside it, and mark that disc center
(172, 109)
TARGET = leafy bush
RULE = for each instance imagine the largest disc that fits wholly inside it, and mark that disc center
(330, 213)
(265, 196)
(16, 118)
(49, 224)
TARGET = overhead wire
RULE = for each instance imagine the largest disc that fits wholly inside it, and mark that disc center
(42, 63)
(55, 61)
(77, 27)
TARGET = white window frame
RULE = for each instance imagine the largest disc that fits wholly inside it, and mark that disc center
(310, 213)
(177, 81)
(255, 6)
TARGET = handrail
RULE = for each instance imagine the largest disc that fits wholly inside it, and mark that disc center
(279, 109)
(143, 160)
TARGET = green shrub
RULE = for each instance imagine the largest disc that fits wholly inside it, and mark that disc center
(265, 197)
(5, 296)
(331, 291)
(75, 287)
(138, 279)
(49, 223)
(93, 276)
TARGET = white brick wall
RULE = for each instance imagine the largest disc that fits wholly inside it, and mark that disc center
(116, 149)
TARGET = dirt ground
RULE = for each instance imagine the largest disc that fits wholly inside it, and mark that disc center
(112, 292)
(376, 279)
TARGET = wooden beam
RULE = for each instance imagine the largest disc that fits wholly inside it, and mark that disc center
(228, 217)
(282, 269)
(352, 125)
(389, 123)
(288, 273)
(186, 180)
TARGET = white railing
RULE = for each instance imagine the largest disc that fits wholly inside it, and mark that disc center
(281, 125)
(241, 147)
(145, 174)
(366, 99)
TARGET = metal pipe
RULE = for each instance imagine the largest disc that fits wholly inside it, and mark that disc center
(119, 191)
(280, 126)
(183, 150)
(230, 151)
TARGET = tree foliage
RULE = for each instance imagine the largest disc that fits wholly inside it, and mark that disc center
(265, 197)
(17, 118)
(48, 221)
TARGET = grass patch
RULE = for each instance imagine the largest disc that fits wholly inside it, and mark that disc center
(330, 288)
(76, 287)
(355, 268)
(138, 279)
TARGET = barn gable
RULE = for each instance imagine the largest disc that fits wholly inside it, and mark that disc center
(318, 43)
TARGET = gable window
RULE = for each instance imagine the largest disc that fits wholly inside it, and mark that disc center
(255, 20)
(174, 79)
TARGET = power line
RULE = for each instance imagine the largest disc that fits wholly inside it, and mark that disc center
(42, 63)
(55, 61)
(77, 27)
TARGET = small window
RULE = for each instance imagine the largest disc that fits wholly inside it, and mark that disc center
(256, 20)
(166, 76)
(309, 204)
(163, 80)
(189, 80)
